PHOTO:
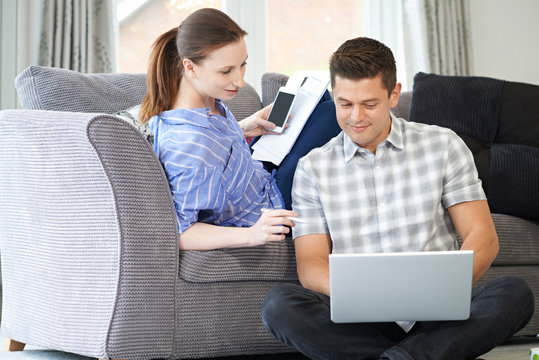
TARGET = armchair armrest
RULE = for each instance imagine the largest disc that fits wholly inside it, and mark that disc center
(88, 236)
(271, 262)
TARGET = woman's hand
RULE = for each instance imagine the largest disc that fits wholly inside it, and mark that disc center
(257, 124)
(271, 227)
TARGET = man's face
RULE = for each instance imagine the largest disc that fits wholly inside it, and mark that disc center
(363, 109)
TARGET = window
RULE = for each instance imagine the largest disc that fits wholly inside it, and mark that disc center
(284, 35)
(302, 34)
(142, 21)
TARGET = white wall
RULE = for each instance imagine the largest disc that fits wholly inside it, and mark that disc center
(505, 39)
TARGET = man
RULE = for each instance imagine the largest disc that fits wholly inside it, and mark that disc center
(386, 185)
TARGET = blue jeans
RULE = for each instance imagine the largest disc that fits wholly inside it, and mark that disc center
(321, 127)
(300, 318)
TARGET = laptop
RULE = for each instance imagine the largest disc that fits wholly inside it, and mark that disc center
(404, 286)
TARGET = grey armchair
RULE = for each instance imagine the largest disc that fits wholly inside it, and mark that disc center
(88, 236)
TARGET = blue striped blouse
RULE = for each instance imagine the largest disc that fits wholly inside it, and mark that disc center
(211, 173)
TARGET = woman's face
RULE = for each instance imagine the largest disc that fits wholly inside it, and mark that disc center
(220, 74)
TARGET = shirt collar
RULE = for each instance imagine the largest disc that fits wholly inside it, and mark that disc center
(394, 138)
(197, 117)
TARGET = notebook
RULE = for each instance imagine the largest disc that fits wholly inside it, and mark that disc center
(405, 286)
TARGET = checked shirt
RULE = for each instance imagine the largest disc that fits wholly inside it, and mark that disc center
(393, 201)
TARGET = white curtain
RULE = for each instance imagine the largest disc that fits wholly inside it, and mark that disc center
(437, 37)
(78, 35)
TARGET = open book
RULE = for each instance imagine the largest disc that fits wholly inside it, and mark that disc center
(309, 88)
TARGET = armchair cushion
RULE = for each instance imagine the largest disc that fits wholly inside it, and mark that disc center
(272, 262)
(48, 88)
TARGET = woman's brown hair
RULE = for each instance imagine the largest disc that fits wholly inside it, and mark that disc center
(201, 32)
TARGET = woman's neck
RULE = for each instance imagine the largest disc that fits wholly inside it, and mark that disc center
(189, 98)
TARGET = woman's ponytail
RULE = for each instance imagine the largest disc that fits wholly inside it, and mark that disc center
(163, 77)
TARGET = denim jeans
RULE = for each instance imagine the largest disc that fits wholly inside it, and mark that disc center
(300, 318)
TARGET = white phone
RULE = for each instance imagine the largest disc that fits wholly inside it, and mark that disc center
(280, 111)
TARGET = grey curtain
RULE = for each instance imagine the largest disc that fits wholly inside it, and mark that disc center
(78, 35)
(437, 37)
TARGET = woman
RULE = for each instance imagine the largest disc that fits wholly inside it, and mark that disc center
(219, 191)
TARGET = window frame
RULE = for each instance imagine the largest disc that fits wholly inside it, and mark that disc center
(251, 16)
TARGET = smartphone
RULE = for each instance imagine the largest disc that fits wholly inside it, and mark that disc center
(280, 111)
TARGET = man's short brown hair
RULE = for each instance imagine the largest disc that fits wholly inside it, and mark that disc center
(363, 58)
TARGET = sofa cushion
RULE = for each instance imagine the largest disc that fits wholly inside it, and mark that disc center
(131, 115)
(520, 103)
(271, 83)
(48, 88)
(402, 110)
(519, 240)
(467, 105)
(245, 103)
(499, 121)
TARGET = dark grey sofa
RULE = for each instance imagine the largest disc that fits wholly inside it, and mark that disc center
(499, 121)
(88, 234)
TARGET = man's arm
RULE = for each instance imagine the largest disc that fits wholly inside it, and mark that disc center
(312, 258)
(474, 223)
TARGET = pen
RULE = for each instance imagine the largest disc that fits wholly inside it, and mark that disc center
(293, 218)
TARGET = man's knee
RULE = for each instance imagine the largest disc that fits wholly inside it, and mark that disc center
(516, 286)
(275, 305)
(277, 298)
(520, 290)
(286, 302)
(522, 301)
(515, 291)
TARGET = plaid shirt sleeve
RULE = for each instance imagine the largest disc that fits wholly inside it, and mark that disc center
(306, 201)
(461, 180)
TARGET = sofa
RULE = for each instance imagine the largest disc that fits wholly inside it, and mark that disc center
(499, 122)
(88, 234)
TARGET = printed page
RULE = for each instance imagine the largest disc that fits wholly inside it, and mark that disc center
(274, 148)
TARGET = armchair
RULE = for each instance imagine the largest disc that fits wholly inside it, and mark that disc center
(88, 239)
